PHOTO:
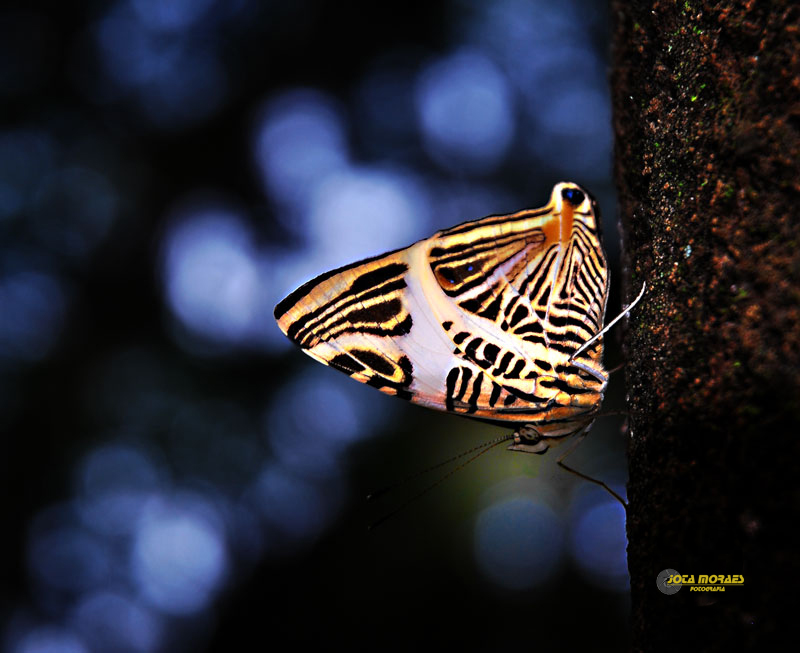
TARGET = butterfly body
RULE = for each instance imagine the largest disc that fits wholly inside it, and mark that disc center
(483, 319)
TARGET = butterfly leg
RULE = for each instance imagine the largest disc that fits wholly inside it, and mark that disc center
(586, 344)
(616, 368)
(571, 470)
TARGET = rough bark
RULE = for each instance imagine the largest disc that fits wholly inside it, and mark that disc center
(707, 113)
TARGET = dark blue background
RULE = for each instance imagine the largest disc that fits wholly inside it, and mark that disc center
(175, 475)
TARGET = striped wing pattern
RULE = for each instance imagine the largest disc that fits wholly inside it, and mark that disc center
(481, 319)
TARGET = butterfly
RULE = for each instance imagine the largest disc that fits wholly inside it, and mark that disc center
(499, 319)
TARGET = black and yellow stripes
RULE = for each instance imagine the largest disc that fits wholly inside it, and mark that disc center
(482, 319)
(392, 376)
(470, 258)
(544, 280)
(365, 297)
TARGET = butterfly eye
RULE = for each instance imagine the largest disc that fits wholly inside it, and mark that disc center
(573, 196)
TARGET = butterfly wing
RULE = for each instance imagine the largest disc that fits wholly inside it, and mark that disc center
(350, 318)
(480, 319)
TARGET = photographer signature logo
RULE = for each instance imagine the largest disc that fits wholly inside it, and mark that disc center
(670, 581)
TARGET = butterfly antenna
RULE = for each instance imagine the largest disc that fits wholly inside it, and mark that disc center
(588, 343)
(486, 446)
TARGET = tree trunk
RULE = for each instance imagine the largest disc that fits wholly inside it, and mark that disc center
(707, 111)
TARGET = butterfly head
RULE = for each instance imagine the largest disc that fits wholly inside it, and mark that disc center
(539, 437)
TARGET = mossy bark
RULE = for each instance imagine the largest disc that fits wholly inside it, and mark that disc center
(707, 119)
